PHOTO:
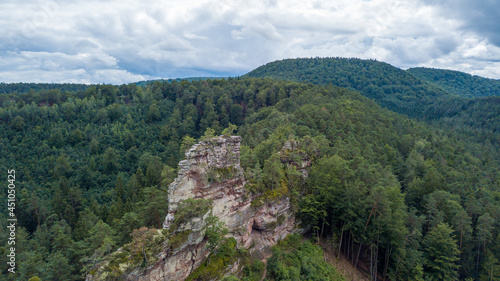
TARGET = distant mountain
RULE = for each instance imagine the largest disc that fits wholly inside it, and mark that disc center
(93, 170)
(9, 88)
(389, 86)
(458, 83)
(402, 91)
(189, 79)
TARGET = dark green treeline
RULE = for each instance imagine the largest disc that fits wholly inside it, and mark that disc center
(397, 197)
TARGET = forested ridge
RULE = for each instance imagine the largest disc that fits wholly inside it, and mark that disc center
(189, 79)
(458, 83)
(464, 103)
(390, 86)
(402, 198)
(33, 88)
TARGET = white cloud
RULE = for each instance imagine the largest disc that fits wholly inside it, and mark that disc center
(474, 55)
(124, 41)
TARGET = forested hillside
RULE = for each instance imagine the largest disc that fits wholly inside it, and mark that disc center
(390, 86)
(401, 91)
(190, 79)
(24, 88)
(396, 196)
(458, 83)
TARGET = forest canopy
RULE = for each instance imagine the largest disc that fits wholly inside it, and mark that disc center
(409, 199)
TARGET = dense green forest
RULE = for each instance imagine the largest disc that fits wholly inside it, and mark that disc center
(401, 198)
(458, 83)
(189, 79)
(390, 86)
(32, 88)
(404, 92)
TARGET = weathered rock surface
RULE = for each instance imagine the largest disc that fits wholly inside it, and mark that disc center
(301, 161)
(212, 171)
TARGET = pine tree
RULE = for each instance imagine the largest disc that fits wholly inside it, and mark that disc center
(58, 268)
(441, 254)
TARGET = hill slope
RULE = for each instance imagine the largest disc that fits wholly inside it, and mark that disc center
(93, 166)
(458, 83)
(189, 79)
(389, 86)
(9, 88)
(399, 91)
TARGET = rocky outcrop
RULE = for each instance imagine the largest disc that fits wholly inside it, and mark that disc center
(212, 173)
(292, 155)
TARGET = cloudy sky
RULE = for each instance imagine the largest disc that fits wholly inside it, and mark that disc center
(121, 41)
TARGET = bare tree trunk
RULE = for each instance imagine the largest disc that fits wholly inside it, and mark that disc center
(145, 257)
(357, 258)
(477, 262)
(387, 256)
(333, 247)
(371, 212)
(341, 237)
(371, 262)
(352, 248)
(376, 256)
(348, 244)
(322, 228)
(376, 264)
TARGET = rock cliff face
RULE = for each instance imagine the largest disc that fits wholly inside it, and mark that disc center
(212, 171)
(210, 183)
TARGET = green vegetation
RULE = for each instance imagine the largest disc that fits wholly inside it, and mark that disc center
(391, 87)
(93, 165)
(436, 96)
(217, 174)
(178, 239)
(223, 253)
(189, 79)
(293, 259)
(214, 266)
(191, 208)
(458, 83)
(215, 232)
(475, 110)
(251, 271)
(139, 254)
(441, 254)
(478, 116)
(29, 91)
(254, 271)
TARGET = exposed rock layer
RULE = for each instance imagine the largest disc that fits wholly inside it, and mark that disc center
(212, 171)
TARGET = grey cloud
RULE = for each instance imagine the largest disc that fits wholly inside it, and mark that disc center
(445, 44)
(408, 52)
(266, 30)
(86, 44)
(479, 16)
(125, 41)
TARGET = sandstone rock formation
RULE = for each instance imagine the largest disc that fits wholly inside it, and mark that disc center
(212, 171)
